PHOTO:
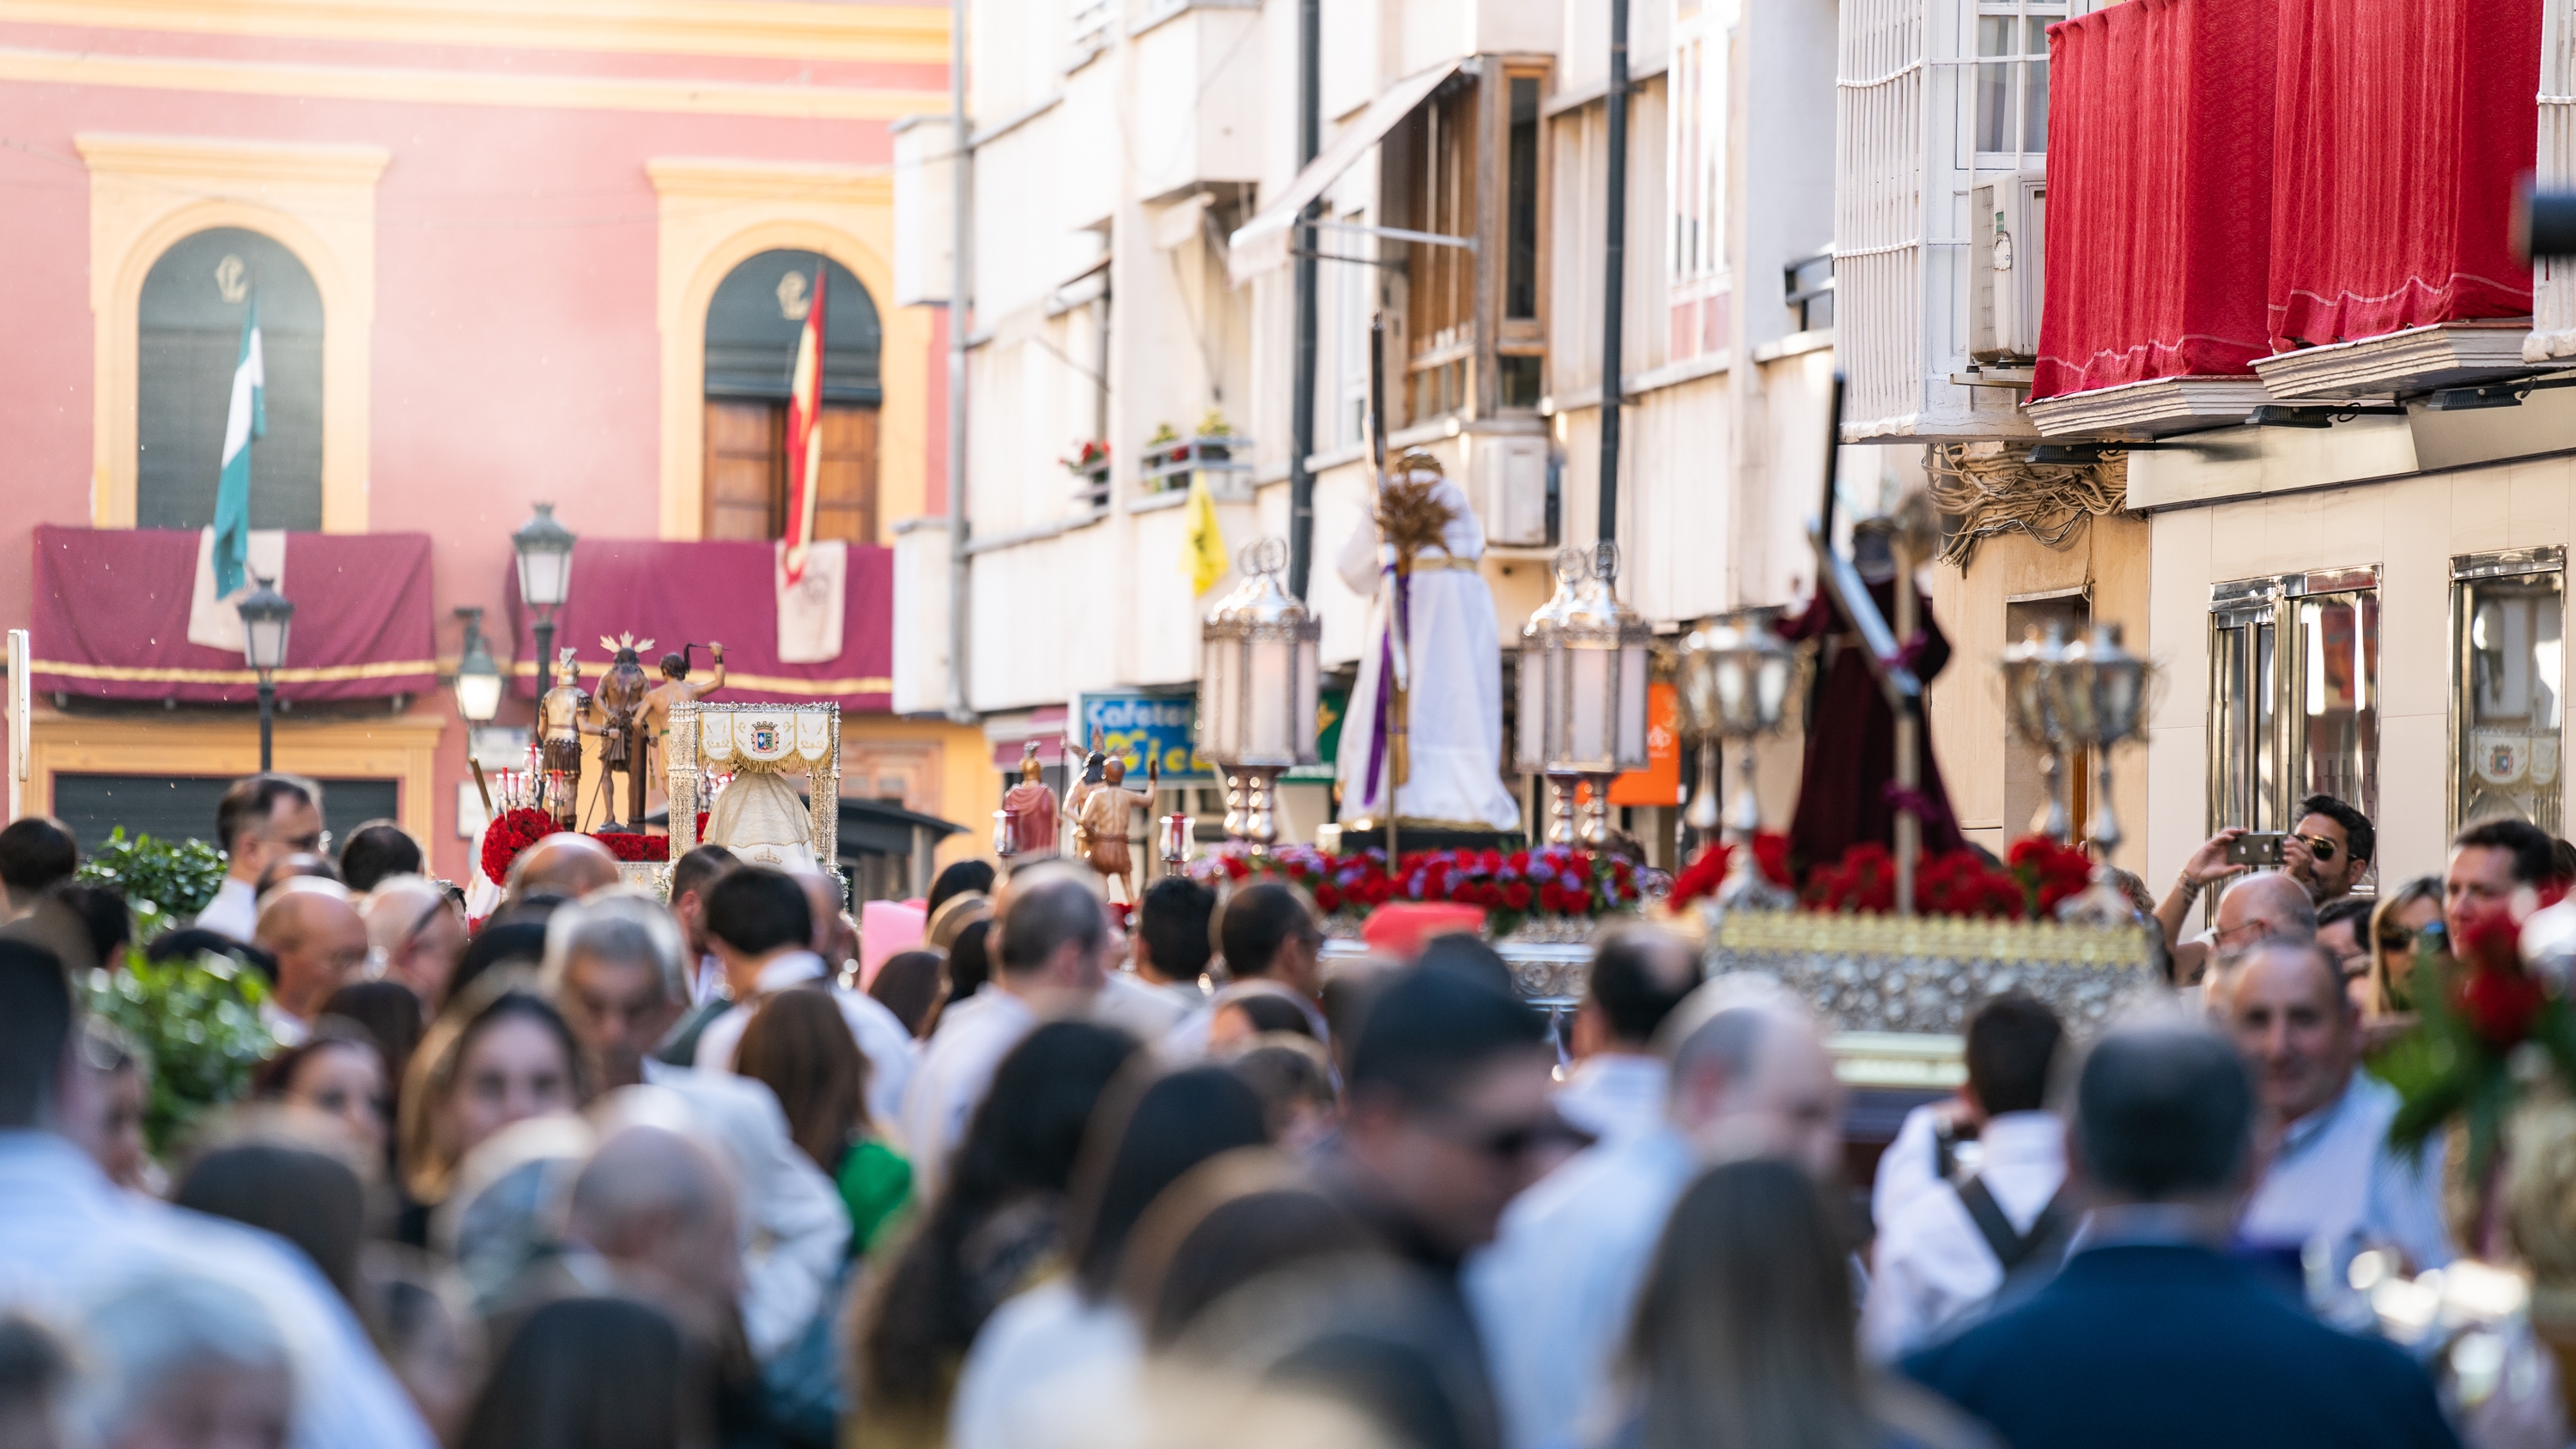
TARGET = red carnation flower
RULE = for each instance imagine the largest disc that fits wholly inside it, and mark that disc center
(2499, 1003)
(1517, 895)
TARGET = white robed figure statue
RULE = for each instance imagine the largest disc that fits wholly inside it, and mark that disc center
(1431, 628)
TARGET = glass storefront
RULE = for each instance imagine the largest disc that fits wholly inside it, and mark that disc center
(2294, 696)
(2508, 624)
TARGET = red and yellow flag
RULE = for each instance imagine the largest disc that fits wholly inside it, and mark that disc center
(805, 430)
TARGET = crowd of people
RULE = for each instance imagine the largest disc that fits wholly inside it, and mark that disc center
(607, 1171)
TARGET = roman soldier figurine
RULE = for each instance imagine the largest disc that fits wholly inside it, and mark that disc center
(1030, 806)
(559, 714)
(1100, 828)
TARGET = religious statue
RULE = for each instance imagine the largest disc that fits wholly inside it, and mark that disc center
(619, 709)
(1100, 825)
(559, 714)
(1030, 806)
(1847, 788)
(1431, 638)
(676, 688)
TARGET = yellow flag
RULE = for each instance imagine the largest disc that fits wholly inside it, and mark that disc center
(1203, 547)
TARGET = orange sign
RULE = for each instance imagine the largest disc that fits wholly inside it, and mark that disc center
(1660, 783)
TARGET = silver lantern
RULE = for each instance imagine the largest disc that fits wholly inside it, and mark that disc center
(2032, 696)
(1257, 689)
(1584, 667)
(1736, 676)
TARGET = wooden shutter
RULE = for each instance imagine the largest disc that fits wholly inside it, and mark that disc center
(846, 504)
(746, 469)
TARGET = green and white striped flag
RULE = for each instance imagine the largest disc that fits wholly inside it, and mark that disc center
(246, 419)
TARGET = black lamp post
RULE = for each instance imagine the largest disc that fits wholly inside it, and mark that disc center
(265, 616)
(545, 578)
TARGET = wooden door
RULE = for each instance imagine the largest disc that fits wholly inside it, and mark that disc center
(746, 469)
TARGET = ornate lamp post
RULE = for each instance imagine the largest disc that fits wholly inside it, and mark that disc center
(1736, 675)
(478, 678)
(265, 616)
(1257, 685)
(1583, 674)
(2032, 698)
(2097, 693)
(544, 548)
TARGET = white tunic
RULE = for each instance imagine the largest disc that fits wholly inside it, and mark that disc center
(1455, 683)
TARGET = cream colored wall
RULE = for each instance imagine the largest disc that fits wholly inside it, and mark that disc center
(2108, 560)
(2410, 528)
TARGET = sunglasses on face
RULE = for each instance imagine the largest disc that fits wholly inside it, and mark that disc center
(2320, 848)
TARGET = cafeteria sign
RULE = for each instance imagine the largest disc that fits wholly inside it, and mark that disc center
(1132, 727)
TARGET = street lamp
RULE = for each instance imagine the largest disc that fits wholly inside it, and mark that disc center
(1583, 674)
(1736, 677)
(1257, 686)
(544, 548)
(265, 616)
(478, 678)
(2032, 699)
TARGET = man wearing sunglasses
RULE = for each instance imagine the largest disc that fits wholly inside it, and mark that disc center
(261, 819)
(2330, 850)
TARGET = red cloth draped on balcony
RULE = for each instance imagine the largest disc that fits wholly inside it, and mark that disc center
(2400, 128)
(721, 591)
(2160, 193)
(110, 618)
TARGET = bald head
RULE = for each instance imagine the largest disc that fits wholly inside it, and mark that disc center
(661, 1209)
(1051, 929)
(2285, 1005)
(1751, 1077)
(2263, 907)
(319, 940)
(566, 863)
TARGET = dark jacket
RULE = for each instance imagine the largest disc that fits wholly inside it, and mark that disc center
(2163, 1346)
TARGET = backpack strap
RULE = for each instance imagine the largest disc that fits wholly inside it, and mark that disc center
(2009, 1247)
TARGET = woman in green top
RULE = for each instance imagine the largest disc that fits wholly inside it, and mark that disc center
(799, 1045)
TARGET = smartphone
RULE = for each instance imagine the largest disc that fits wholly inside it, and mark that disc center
(2255, 848)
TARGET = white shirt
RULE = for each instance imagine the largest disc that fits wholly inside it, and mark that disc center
(879, 1032)
(796, 1230)
(1049, 1370)
(1906, 1170)
(234, 911)
(2335, 1176)
(1932, 1265)
(1553, 1294)
(69, 1237)
(1141, 1009)
(1615, 1094)
(956, 1070)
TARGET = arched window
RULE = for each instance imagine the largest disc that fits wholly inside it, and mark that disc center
(752, 329)
(194, 301)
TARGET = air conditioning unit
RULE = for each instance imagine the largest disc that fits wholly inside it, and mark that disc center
(2007, 265)
(1508, 487)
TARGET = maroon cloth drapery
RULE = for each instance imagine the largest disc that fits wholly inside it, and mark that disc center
(2400, 128)
(2160, 193)
(1851, 740)
(669, 592)
(111, 618)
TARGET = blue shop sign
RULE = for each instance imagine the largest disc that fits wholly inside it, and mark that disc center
(1134, 726)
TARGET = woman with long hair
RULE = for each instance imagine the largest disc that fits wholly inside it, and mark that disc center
(986, 1235)
(799, 1046)
(1744, 1334)
(1069, 1343)
(2394, 926)
(500, 1055)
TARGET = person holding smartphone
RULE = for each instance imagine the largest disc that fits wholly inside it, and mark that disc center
(2327, 854)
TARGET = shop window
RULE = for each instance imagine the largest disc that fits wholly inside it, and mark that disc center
(2294, 696)
(2509, 683)
(753, 325)
(2011, 119)
(195, 300)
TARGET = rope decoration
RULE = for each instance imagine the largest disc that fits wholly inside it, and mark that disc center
(1986, 492)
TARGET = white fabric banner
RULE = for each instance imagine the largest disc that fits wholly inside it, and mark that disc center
(216, 623)
(810, 609)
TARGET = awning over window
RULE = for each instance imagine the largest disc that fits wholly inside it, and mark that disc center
(1262, 243)
(721, 592)
(2160, 193)
(110, 618)
(2402, 125)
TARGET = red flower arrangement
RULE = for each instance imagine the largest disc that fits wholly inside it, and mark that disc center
(515, 830)
(2477, 1011)
(1708, 870)
(1508, 887)
(2041, 874)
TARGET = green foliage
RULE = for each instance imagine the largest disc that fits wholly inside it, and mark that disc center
(165, 882)
(197, 1019)
(2445, 1071)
